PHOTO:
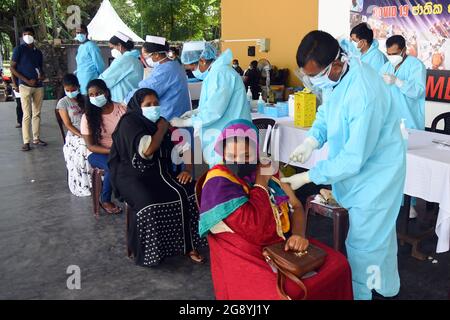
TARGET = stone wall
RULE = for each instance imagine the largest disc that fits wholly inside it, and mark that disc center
(55, 67)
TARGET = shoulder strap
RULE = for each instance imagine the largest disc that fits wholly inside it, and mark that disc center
(281, 280)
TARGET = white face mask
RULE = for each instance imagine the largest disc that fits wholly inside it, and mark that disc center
(116, 53)
(28, 39)
(356, 43)
(395, 60)
(153, 64)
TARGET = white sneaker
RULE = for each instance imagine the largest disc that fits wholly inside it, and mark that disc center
(413, 213)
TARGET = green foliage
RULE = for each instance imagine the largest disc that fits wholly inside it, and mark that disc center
(181, 19)
(177, 20)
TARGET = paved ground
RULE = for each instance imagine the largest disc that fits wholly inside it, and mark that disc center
(44, 229)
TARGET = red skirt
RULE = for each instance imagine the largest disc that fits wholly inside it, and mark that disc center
(239, 272)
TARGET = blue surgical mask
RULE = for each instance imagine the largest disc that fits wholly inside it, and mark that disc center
(152, 113)
(80, 37)
(200, 75)
(323, 82)
(99, 101)
(72, 94)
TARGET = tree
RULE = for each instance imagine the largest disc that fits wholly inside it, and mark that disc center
(177, 20)
(45, 16)
(181, 19)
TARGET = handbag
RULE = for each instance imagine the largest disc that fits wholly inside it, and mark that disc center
(293, 265)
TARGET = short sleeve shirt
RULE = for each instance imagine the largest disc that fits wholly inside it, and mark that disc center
(29, 61)
(72, 108)
(109, 124)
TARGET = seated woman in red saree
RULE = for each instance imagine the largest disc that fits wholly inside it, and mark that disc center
(243, 210)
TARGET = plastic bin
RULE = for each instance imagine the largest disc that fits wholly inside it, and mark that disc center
(49, 93)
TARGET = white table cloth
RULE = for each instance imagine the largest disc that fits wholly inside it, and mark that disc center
(428, 178)
(427, 175)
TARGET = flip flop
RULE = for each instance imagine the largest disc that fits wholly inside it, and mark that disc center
(195, 255)
(116, 210)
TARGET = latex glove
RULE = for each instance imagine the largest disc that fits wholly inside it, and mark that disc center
(389, 78)
(181, 123)
(190, 114)
(297, 181)
(399, 83)
(304, 151)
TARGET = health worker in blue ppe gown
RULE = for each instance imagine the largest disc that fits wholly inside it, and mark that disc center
(223, 97)
(406, 77)
(89, 59)
(366, 165)
(168, 78)
(364, 46)
(126, 71)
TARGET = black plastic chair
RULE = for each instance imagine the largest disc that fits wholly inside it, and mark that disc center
(61, 125)
(446, 118)
(263, 124)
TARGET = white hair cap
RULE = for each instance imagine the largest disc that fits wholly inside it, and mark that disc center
(122, 36)
(157, 40)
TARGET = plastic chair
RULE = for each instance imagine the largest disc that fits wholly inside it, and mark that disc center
(340, 221)
(446, 118)
(127, 223)
(263, 124)
(97, 185)
(61, 125)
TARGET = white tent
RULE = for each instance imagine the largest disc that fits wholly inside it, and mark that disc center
(107, 22)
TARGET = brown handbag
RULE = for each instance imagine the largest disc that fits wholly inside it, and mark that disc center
(293, 265)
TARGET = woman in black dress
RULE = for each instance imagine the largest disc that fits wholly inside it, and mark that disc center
(164, 218)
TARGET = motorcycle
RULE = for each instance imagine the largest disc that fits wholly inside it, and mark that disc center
(6, 90)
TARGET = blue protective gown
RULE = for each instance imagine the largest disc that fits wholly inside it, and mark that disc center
(222, 100)
(123, 75)
(366, 167)
(374, 57)
(169, 80)
(409, 100)
(90, 64)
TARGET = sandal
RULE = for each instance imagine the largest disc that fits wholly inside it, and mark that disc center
(116, 210)
(39, 142)
(196, 258)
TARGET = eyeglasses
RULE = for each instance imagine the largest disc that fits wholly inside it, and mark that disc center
(301, 72)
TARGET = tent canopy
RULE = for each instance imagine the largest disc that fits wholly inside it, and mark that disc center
(107, 22)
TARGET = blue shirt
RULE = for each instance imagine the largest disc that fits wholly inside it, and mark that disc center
(169, 80)
(28, 59)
